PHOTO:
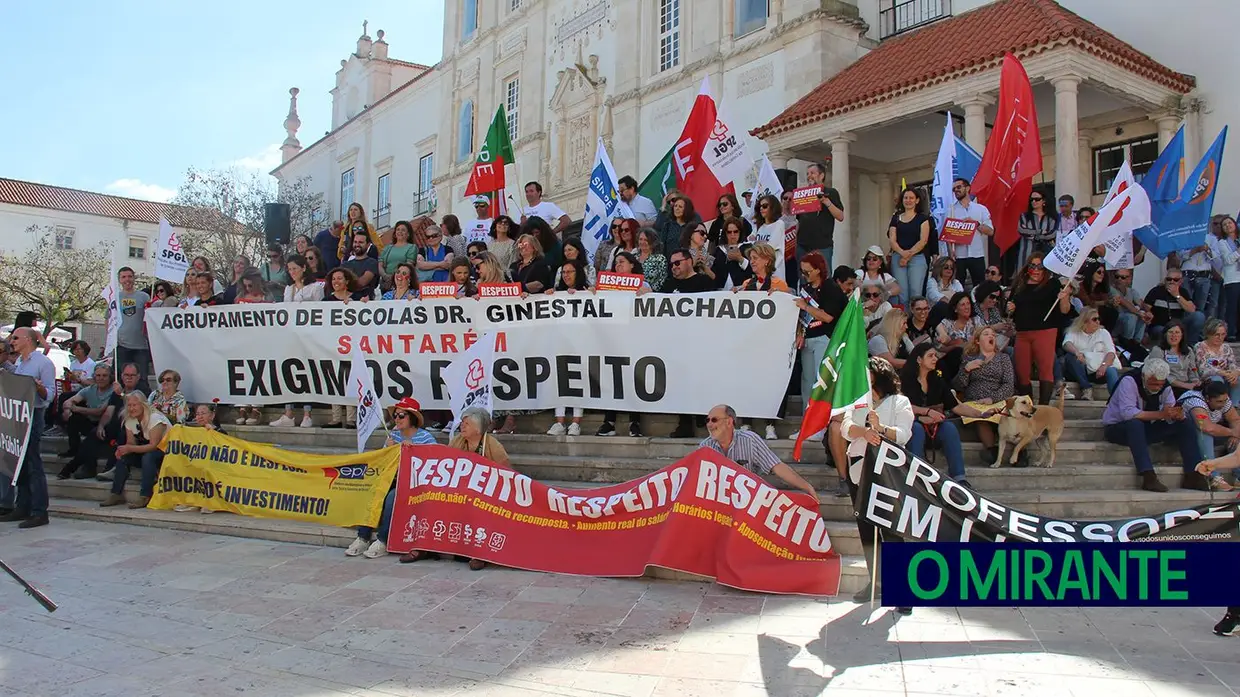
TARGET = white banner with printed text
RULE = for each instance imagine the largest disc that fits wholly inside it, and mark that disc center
(612, 350)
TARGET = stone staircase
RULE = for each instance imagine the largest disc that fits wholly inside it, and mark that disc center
(1091, 478)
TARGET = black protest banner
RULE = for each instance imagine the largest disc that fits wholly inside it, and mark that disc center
(17, 395)
(903, 493)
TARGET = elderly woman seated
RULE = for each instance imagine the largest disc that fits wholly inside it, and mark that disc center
(167, 398)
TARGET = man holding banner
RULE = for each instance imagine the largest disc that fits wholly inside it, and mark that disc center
(31, 502)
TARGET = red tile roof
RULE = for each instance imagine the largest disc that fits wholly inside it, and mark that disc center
(23, 193)
(968, 43)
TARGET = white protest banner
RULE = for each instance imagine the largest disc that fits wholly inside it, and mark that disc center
(634, 352)
(1127, 208)
(362, 388)
(768, 181)
(170, 260)
(470, 377)
(111, 298)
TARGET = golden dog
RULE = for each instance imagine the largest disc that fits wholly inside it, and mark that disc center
(1023, 422)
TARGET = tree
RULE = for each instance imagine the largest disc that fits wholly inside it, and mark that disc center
(221, 214)
(61, 285)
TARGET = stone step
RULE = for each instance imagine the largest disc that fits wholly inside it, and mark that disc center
(843, 535)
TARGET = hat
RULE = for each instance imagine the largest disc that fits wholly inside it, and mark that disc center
(482, 201)
(873, 249)
(747, 192)
(412, 406)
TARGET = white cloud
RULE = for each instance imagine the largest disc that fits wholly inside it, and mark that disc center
(264, 161)
(134, 188)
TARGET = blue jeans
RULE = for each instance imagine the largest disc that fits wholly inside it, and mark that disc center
(1199, 288)
(1139, 435)
(148, 462)
(1129, 326)
(912, 278)
(1214, 308)
(385, 520)
(948, 438)
(811, 359)
(30, 494)
(1086, 377)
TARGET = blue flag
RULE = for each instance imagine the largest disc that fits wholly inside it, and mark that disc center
(1186, 219)
(602, 202)
(967, 160)
(1162, 181)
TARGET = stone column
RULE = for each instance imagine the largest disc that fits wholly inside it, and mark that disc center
(1085, 155)
(1167, 125)
(975, 121)
(886, 204)
(779, 158)
(1067, 146)
(842, 183)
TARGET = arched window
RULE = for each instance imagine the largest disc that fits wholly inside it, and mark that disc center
(465, 132)
(469, 18)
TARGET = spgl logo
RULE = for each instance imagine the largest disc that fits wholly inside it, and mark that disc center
(1205, 184)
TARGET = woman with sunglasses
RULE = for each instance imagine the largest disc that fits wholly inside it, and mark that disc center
(503, 245)
(920, 329)
(407, 413)
(435, 259)
(874, 272)
(670, 224)
(473, 252)
(735, 266)
(909, 234)
(987, 303)
(1216, 360)
(874, 306)
(489, 270)
(316, 271)
(932, 401)
(574, 249)
(769, 216)
(402, 250)
(1089, 354)
(696, 239)
(404, 283)
(727, 207)
(274, 272)
(1037, 228)
(943, 283)
(1039, 304)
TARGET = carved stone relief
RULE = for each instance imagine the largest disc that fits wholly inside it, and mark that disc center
(755, 79)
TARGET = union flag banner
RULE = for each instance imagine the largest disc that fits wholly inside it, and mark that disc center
(702, 515)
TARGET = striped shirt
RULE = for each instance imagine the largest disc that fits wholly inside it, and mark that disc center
(747, 450)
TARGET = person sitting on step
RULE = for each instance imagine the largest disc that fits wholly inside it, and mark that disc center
(88, 415)
(143, 430)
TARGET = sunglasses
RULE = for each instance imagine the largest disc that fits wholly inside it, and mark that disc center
(473, 255)
(400, 415)
(1173, 279)
(764, 205)
(873, 295)
(1035, 199)
(615, 226)
(714, 419)
(723, 203)
(434, 236)
(1036, 267)
(1092, 319)
(993, 296)
(167, 380)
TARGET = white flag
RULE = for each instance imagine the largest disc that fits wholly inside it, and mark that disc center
(944, 175)
(768, 181)
(468, 378)
(170, 260)
(111, 297)
(725, 150)
(602, 202)
(1126, 209)
(361, 384)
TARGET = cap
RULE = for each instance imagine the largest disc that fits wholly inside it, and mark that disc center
(410, 405)
(482, 201)
(873, 249)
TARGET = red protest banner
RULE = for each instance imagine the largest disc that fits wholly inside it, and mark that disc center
(703, 515)
(438, 289)
(611, 280)
(956, 231)
(499, 290)
(805, 200)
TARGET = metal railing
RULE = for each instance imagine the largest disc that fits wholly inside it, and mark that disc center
(900, 16)
(422, 203)
(383, 218)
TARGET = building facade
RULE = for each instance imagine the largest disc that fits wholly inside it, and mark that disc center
(864, 85)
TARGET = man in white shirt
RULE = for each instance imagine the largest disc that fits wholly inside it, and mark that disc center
(479, 229)
(642, 207)
(1198, 267)
(747, 203)
(548, 211)
(970, 258)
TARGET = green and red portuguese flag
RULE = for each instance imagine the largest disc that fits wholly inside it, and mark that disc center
(843, 375)
(487, 178)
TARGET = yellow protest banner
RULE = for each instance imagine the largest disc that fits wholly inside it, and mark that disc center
(221, 473)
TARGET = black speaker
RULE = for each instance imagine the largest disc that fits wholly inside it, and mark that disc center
(787, 179)
(276, 223)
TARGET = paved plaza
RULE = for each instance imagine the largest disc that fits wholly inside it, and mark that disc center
(146, 611)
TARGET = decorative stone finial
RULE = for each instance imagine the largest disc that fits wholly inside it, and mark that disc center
(380, 35)
(292, 122)
(365, 23)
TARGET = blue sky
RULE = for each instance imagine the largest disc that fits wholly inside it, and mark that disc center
(123, 96)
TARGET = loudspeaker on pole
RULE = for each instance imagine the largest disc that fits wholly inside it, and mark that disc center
(276, 223)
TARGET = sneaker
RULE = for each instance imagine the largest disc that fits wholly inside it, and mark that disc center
(574, 429)
(240, 421)
(770, 432)
(207, 511)
(434, 426)
(375, 550)
(253, 422)
(745, 427)
(183, 508)
(609, 429)
(355, 550)
(54, 432)
(106, 475)
(635, 430)
(1084, 394)
(307, 422)
(841, 491)
(816, 438)
(557, 429)
(1227, 625)
(142, 502)
(285, 421)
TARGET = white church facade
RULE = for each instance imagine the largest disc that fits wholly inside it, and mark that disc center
(863, 85)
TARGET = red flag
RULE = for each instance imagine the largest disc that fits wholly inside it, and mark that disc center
(694, 176)
(1013, 154)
